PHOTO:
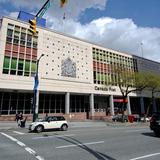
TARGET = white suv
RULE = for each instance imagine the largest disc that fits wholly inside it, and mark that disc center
(51, 122)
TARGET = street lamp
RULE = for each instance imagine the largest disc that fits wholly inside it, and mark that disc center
(36, 95)
(141, 48)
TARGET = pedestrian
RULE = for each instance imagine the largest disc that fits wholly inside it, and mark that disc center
(23, 122)
(17, 117)
(20, 118)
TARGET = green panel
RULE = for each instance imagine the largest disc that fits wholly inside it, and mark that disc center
(13, 63)
(6, 62)
(27, 66)
(98, 76)
(33, 67)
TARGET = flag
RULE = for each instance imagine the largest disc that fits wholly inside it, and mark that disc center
(64, 16)
(63, 3)
(36, 82)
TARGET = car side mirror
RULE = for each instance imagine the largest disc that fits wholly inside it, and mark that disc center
(49, 121)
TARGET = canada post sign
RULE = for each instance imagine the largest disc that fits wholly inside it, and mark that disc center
(105, 89)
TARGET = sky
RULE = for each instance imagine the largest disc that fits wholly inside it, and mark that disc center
(130, 26)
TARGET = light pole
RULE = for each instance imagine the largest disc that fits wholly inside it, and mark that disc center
(141, 48)
(36, 94)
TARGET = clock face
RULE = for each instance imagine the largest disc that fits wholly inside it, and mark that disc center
(68, 68)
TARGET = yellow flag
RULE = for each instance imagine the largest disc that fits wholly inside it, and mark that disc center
(63, 2)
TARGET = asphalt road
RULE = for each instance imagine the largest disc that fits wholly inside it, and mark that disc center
(99, 142)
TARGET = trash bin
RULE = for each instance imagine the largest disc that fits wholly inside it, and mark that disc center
(131, 118)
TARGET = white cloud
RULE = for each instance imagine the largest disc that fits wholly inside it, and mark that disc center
(13, 14)
(118, 34)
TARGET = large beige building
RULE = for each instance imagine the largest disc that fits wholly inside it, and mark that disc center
(74, 75)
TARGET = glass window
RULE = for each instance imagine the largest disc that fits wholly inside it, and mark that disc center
(23, 36)
(17, 28)
(33, 67)
(27, 66)
(10, 26)
(29, 38)
(15, 41)
(22, 42)
(9, 39)
(6, 62)
(16, 34)
(13, 63)
(6, 71)
(20, 67)
(9, 33)
(23, 30)
(28, 44)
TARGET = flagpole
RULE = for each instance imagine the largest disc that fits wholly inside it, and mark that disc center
(36, 92)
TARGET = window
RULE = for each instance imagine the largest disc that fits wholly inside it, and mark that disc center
(9, 33)
(13, 63)
(6, 62)
(33, 67)
(20, 67)
(10, 26)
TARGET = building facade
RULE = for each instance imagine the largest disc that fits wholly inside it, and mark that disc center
(76, 77)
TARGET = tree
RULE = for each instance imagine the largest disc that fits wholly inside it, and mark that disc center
(153, 85)
(129, 81)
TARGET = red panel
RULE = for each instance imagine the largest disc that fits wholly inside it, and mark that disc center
(22, 49)
(34, 58)
(21, 55)
(8, 46)
(28, 50)
(28, 57)
(34, 52)
(15, 54)
(15, 48)
(7, 53)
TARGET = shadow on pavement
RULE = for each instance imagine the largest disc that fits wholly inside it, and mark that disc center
(150, 134)
(98, 155)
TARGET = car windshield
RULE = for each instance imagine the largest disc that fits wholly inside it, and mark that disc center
(42, 119)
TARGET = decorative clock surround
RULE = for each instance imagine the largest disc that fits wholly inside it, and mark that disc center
(68, 68)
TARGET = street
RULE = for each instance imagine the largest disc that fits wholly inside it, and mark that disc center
(91, 142)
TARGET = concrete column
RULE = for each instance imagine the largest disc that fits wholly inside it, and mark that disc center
(92, 105)
(142, 105)
(67, 102)
(129, 106)
(111, 105)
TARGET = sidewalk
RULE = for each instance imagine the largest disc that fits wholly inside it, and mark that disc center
(78, 124)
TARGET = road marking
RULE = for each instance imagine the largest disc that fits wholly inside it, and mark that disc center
(55, 136)
(18, 132)
(79, 144)
(21, 144)
(31, 151)
(146, 156)
(11, 138)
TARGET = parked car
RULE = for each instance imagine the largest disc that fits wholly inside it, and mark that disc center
(119, 118)
(50, 122)
(155, 123)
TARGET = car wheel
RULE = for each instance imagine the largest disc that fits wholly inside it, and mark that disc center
(39, 129)
(64, 127)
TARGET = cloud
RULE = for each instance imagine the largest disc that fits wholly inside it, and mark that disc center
(13, 14)
(74, 8)
(118, 34)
